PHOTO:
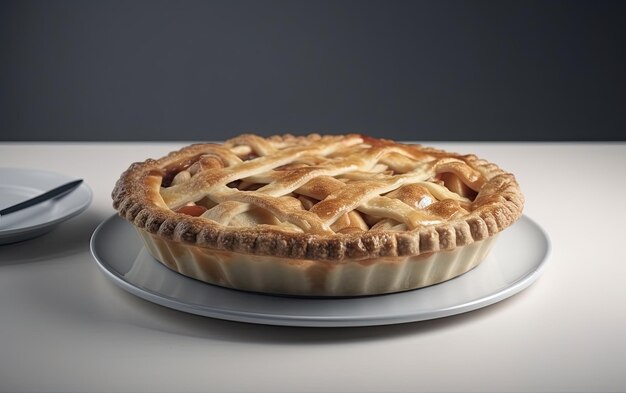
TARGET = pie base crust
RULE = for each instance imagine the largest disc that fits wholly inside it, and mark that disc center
(305, 277)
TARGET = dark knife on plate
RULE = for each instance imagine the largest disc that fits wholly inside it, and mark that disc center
(54, 193)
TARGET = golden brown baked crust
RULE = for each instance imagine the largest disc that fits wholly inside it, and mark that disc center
(320, 197)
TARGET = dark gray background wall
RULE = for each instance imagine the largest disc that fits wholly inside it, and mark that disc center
(207, 70)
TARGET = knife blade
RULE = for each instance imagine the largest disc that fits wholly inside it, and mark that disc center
(54, 193)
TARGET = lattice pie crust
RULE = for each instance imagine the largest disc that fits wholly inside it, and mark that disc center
(318, 215)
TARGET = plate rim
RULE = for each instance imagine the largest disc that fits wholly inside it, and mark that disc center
(74, 211)
(266, 318)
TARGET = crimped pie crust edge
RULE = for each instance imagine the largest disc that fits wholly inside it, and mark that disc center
(132, 202)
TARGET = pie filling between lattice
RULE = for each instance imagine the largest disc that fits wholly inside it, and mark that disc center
(318, 215)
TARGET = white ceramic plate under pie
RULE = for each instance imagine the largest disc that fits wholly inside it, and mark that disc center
(514, 263)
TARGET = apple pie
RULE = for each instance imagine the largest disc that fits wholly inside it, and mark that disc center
(318, 215)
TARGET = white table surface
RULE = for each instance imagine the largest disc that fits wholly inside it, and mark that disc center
(64, 326)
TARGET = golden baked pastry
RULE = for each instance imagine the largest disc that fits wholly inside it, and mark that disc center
(318, 215)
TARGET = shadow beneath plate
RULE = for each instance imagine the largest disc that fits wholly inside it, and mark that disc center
(67, 238)
(176, 322)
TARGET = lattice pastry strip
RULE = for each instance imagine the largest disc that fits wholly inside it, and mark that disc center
(199, 186)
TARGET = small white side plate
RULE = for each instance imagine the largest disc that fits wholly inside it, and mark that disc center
(20, 184)
(515, 262)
